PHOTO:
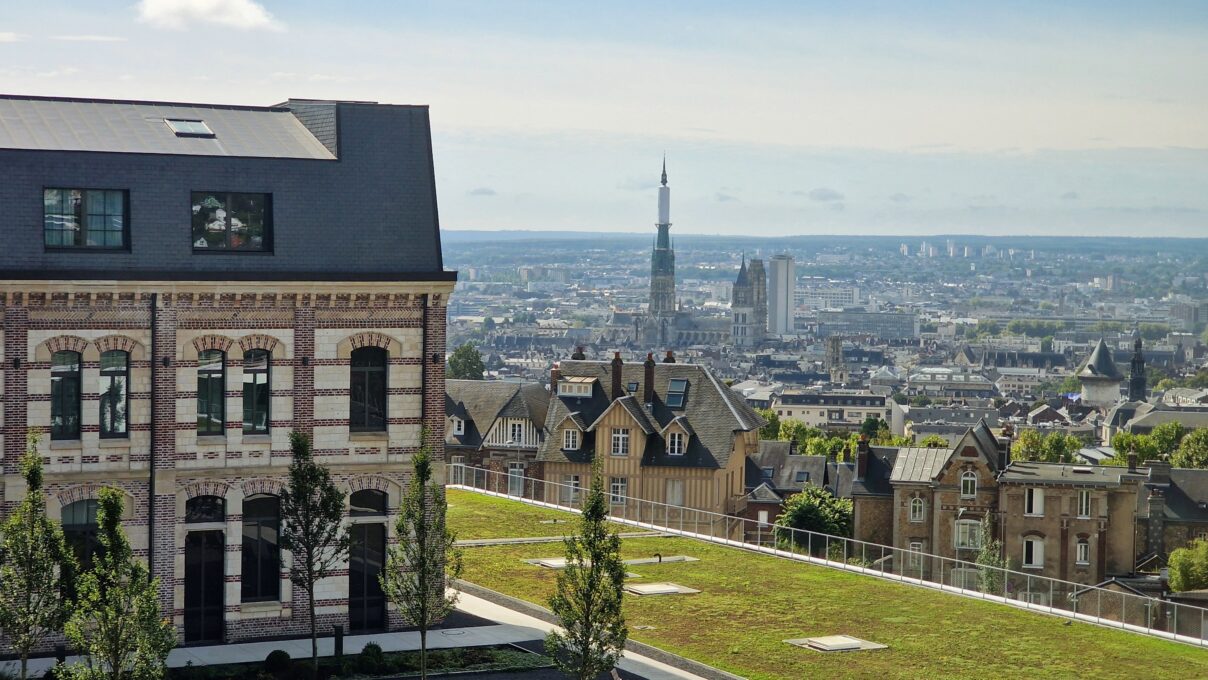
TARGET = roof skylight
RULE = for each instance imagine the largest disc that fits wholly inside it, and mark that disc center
(189, 128)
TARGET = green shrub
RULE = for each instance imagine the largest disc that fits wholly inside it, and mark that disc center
(372, 660)
(278, 664)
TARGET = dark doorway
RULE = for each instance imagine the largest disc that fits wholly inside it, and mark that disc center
(205, 581)
(367, 556)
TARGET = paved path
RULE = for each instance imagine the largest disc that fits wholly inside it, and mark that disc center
(480, 542)
(510, 627)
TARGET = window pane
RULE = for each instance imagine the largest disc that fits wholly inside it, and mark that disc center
(205, 509)
(256, 391)
(209, 220)
(367, 502)
(210, 393)
(261, 556)
(65, 395)
(247, 221)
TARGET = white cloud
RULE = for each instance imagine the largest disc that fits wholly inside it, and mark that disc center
(9, 36)
(88, 38)
(59, 72)
(177, 14)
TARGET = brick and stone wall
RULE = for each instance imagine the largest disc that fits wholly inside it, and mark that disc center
(309, 330)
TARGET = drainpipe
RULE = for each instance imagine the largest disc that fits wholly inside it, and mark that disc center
(151, 452)
(423, 381)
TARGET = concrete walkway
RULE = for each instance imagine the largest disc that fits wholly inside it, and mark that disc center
(481, 542)
(510, 627)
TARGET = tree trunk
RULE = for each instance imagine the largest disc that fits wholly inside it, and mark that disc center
(314, 634)
(423, 653)
(24, 665)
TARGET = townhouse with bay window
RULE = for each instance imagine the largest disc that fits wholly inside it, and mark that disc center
(184, 284)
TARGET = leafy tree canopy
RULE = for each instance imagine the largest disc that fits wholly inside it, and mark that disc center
(466, 363)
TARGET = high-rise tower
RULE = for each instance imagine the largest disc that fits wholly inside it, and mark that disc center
(781, 291)
(662, 260)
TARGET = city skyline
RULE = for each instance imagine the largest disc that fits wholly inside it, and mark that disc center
(777, 119)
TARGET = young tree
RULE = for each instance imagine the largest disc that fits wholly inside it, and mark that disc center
(934, 441)
(588, 597)
(871, 427)
(466, 363)
(420, 567)
(312, 527)
(989, 557)
(36, 565)
(814, 509)
(117, 625)
(1028, 445)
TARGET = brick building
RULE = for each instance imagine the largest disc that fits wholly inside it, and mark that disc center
(197, 282)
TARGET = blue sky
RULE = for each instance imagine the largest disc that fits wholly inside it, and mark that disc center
(777, 118)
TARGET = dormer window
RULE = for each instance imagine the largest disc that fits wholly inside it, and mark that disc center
(677, 443)
(576, 386)
(767, 473)
(570, 439)
(676, 391)
(459, 426)
(631, 388)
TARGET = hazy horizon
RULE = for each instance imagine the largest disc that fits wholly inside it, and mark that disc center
(777, 118)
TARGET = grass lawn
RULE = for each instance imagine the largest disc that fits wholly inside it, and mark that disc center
(749, 603)
(474, 515)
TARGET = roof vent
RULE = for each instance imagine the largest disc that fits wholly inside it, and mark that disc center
(183, 127)
(1084, 470)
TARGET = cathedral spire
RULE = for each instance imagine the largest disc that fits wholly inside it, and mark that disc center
(664, 169)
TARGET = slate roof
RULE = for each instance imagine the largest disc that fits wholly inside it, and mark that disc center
(785, 466)
(481, 402)
(62, 124)
(712, 411)
(1026, 472)
(1100, 364)
(1187, 495)
(876, 482)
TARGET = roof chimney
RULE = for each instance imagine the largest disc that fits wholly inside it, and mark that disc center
(578, 355)
(617, 387)
(861, 462)
(670, 358)
(554, 374)
(1132, 460)
(648, 379)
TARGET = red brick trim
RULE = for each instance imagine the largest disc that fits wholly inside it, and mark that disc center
(362, 482)
(218, 342)
(60, 343)
(252, 487)
(110, 343)
(258, 341)
(369, 340)
(80, 492)
(207, 488)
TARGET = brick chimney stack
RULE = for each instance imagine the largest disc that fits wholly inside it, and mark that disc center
(555, 374)
(1132, 460)
(670, 358)
(648, 379)
(578, 355)
(618, 390)
(862, 451)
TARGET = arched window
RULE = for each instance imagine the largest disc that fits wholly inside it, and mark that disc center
(205, 509)
(367, 403)
(115, 396)
(65, 395)
(968, 484)
(367, 503)
(256, 391)
(1083, 552)
(261, 553)
(80, 531)
(211, 405)
(916, 509)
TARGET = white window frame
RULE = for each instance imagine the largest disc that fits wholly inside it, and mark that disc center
(458, 473)
(1084, 503)
(968, 476)
(764, 518)
(620, 442)
(618, 489)
(517, 432)
(970, 530)
(571, 486)
(515, 478)
(1037, 561)
(1082, 552)
(921, 507)
(676, 443)
(1033, 502)
(914, 558)
(675, 499)
(570, 439)
(459, 426)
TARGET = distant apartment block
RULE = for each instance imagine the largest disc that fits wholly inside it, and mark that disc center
(883, 325)
(840, 409)
(782, 281)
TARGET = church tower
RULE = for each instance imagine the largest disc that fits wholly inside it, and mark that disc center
(662, 260)
(742, 310)
(1136, 376)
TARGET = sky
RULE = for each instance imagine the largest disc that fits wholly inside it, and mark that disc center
(776, 118)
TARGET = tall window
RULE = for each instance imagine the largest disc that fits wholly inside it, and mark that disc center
(517, 432)
(84, 218)
(570, 439)
(916, 509)
(1082, 553)
(80, 531)
(676, 443)
(618, 489)
(459, 426)
(1034, 502)
(620, 442)
(261, 555)
(1084, 503)
(968, 484)
(256, 391)
(65, 395)
(1033, 552)
(115, 397)
(968, 534)
(227, 221)
(675, 492)
(569, 490)
(367, 412)
(202, 509)
(211, 402)
(914, 558)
